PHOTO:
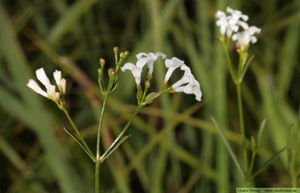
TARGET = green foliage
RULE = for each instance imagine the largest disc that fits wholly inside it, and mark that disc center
(174, 146)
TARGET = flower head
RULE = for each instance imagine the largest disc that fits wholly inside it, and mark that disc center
(230, 24)
(172, 64)
(188, 84)
(135, 70)
(50, 92)
(143, 59)
(245, 37)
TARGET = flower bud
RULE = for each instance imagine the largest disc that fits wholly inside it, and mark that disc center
(102, 62)
(122, 55)
(147, 84)
(111, 73)
(100, 72)
(116, 50)
(126, 53)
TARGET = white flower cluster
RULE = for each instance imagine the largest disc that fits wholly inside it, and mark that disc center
(232, 23)
(50, 92)
(187, 84)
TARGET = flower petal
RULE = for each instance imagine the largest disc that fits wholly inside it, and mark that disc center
(127, 66)
(35, 87)
(42, 77)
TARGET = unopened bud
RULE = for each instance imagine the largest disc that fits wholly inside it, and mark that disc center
(122, 55)
(102, 62)
(126, 53)
(111, 73)
(100, 72)
(147, 84)
(116, 50)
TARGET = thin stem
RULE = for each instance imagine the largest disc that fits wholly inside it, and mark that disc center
(251, 163)
(97, 176)
(78, 133)
(230, 67)
(239, 95)
(97, 163)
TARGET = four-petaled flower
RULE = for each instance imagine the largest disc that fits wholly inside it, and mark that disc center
(50, 92)
(143, 59)
(149, 59)
(229, 24)
(245, 37)
(188, 84)
(136, 71)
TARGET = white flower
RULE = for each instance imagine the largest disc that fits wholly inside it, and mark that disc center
(172, 64)
(235, 16)
(135, 70)
(60, 82)
(231, 23)
(149, 59)
(245, 37)
(143, 59)
(188, 84)
(50, 89)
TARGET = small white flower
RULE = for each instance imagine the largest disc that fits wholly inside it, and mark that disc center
(188, 84)
(143, 59)
(172, 64)
(236, 15)
(229, 24)
(60, 82)
(135, 70)
(245, 37)
(50, 92)
(149, 59)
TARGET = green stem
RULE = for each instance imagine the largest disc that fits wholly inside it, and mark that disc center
(230, 67)
(251, 164)
(240, 106)
(97, 176)
(78, 133)
(97, 162)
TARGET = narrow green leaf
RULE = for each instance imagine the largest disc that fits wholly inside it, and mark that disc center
(232, 154)
(268, 162)
(75, 138)
(112, 148)
(246, 67)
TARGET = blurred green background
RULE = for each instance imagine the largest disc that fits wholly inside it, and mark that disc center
(174, 146)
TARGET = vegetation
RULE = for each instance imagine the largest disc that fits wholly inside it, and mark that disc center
(176, 143)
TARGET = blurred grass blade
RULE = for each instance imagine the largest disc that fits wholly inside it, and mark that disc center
(232, 154)
(67, 21)
(160, 136)
(10, 153)
(260, 133)
(34, 112)
(267, 163)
